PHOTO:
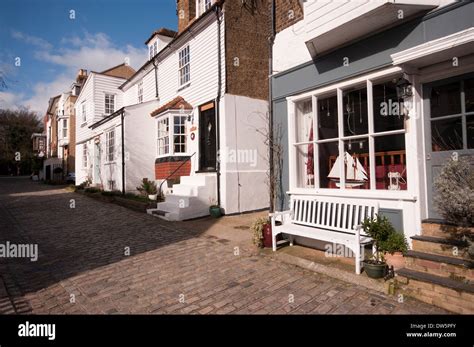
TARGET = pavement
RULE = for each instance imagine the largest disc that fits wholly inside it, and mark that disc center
(100, 258)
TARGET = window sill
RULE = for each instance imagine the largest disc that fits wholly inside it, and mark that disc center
(184, 86)
(83, 124)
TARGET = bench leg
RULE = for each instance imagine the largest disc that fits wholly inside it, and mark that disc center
(357, 259)
(291, 240)
(274, 242)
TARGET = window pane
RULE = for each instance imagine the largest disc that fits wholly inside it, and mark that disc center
(445, 100)
(387, 110)
(305, 166)
(328, 173)
(446, 134)
(470, 131)
(356, 159)
(327, 118)
(390, 159)
(469, 94)
(304, 121)
(355, 112)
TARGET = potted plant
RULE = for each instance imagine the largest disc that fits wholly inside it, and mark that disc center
(378, 228)
(394, 247)
(215, 210)
(262, 232)
(148, 188)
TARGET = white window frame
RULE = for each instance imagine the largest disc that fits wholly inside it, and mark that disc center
(110, 145)
(110, 103)
(202, 6)
(170, 118)
(84, 155)
(339, 88)
(184, 66)
(140, 92)
(167, 146)
(64, 128)
(84, 112)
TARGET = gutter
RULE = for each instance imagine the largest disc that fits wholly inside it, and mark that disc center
(156, 77)
(218, 11)
(271, 40)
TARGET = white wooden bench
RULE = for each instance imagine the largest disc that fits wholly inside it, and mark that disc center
(327, 219)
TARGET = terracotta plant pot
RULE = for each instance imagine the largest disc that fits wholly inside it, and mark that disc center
(267, 235)
(396, 260)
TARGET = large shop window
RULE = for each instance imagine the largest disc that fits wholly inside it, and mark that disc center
(172, 127)
(452, 116)
(353, 134)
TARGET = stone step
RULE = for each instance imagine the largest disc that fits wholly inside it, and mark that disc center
(449, 267)
(440, 246)
(436, 228)
(443, 292)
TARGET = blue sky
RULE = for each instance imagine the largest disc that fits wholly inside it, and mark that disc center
(52, 46)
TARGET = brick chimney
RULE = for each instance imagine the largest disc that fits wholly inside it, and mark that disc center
(186, 11)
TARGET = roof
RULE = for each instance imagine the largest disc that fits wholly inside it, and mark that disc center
(52, 102)
(164, 32)
(178, 35)
(177, 103)
(122, 71)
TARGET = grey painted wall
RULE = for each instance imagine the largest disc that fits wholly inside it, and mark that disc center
(366, 55)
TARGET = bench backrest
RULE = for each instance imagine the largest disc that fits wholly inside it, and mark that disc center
(331, 213)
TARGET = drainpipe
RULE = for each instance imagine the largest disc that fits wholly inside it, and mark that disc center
(123, 151)
(271, 40)
(218, 98)
(156, 78)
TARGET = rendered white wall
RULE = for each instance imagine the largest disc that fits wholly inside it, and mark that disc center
(243, 154)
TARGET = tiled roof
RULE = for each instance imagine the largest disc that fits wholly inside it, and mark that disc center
(177, 103)
(122, 71)
(162, 31)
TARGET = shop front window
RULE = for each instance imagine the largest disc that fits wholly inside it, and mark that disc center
(370, 153)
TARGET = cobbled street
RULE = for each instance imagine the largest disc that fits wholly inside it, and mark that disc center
(83, 265)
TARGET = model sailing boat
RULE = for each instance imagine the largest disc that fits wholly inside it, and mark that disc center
(355, 172)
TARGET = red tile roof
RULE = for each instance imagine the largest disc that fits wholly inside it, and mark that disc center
(177, 103)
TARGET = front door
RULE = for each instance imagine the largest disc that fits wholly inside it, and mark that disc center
(207, 138)
(449, 124)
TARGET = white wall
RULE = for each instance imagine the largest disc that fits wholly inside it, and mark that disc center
(140, 144)
(243, 154)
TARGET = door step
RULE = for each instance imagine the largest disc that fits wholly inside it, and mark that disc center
(440, 291)
(441, 246)
(454, 268)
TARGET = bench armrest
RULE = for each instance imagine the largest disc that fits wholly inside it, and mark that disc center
(284, 216)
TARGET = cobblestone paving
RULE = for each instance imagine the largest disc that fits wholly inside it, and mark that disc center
(83, 266)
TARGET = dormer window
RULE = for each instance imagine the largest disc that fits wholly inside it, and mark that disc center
(109, 103)
(153, 49)
(202, 6)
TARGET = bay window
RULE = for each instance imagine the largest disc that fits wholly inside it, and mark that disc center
(64, 128)
(350, 138)
(171, 135)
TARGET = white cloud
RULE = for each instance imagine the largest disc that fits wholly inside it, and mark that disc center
(33, 40)
(94, 52)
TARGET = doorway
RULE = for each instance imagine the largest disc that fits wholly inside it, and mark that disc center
(207, 138)
(449, 124)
